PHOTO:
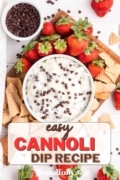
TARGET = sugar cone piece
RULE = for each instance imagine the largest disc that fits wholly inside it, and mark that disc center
(12, 106)
(5, 102)
(24, 111)
(13, 91)
(105, 118)
(113, 39)
(19, 119)
(6, 117)
(17, 83)
(4, 141)
(87, 117)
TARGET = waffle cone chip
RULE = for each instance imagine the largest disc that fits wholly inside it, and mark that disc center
(113, 39)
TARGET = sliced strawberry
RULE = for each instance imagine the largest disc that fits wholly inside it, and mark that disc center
(96, 67)
(22, 65)
(60, 46)
(107, 172)
(63, 25)
(77, 43)
(116, 97)
(101, 7)
(91, 53)
(48, 29)
(83, 25)
(44, 48)
(29, 51)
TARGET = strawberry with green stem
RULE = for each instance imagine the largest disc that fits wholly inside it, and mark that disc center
(96, 67)
(27, 173)
(116, 96)
(91, 53)
(83, 25)
(75, 172)
(63, 25)
(60, 46)
(48, 29)
(107, 172)
(29, 51)
(44, 48)
(101, 7)
(77, 43)
(22, 65)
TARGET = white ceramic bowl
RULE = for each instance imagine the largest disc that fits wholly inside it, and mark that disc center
(58, 88)
(4, 15)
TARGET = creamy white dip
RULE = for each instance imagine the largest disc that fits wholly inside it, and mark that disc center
(58, 89)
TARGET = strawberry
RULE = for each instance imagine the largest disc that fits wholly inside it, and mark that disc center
(91, 53)
(74, 172)
(96, 67)
(22, 65)
(48, 29)
(44, 48)
(107, 172)
(60, 46)
(77, 43)
(27, 173)
(29, 51)
(83, 25)
(116, 97)
(101, 7)
(63, 25)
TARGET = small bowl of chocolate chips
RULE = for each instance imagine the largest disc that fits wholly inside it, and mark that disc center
(22, 20)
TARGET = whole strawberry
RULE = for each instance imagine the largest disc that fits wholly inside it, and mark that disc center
(96, 67)
(107, 172)
(91, 53)
(48, 29)
(63, 26)
(77, 43)
(116, 97)
(22, 65)
(83, 25)
(60, 46)
(29, 51)
(44, 48)
(101, 7)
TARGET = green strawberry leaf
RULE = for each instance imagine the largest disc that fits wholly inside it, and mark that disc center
(118, 85)
(29, 46)
(100, 63)
(52, 37)
(25, 172)
(110, 171)
(91, 46)
(64, 20)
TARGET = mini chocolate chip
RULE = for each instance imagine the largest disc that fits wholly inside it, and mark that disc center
(47, 105)
(38, 104)
(55, 96)
(68, 92)
(45, 84)
(89, 92)
(73, 84)
(35, 101)
(34, 87)
(69, 97)
(69, 79)
(71, 72)
(79, 82)
(119, 153)
(56, 81)
(76, 73)
(43, 117)
(63, 93)
(68, 11)
(117, 149)
(79, 11)
(98, 32)
(84, 98)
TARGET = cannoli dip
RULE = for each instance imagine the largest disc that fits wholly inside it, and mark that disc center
(58, 89)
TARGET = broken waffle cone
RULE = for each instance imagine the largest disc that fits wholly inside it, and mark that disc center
(113, 39)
